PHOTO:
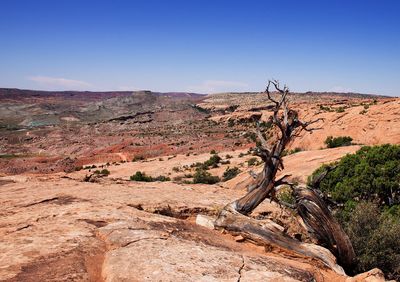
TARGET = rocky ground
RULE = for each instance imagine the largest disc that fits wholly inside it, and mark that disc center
(56, 227)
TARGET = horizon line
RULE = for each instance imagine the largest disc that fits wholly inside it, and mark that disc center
(198, 93)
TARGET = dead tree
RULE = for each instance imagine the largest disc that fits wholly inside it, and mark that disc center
(311, 208)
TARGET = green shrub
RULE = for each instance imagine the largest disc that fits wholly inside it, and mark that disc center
(340, 110)
(266, 124)
(202, 176)
(285, 195)
(371, 174)
(324, 108)
(375, 238)
(291, 152)
(334, 142)
(228, 156)
(230, 173)
(213, 152)
(251, 136)
(161, 178)
(137, 158)
(252, 161)
(366, 187)
(213, 161)
(90, 167)
(141, 176)
(104, 172)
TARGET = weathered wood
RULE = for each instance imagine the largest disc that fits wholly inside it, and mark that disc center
(323, 225)
(311, 208)
(269, 234)
(287, 122)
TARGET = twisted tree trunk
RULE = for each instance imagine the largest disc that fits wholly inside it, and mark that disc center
(265, 182)
(323, 225)
(311, 208)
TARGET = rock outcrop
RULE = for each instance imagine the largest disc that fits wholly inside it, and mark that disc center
(59, 228)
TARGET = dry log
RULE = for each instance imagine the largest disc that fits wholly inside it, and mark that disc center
(269, 234)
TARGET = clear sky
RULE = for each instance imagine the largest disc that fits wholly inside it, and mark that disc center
(200, 46)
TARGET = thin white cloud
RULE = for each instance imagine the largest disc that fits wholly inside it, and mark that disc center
(59, 83)
(216, 86)
(341, 89)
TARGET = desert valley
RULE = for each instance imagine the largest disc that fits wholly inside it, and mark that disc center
(126, 186)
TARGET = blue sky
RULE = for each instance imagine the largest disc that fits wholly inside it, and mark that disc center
(200, 46)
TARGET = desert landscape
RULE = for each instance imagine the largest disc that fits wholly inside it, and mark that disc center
(199, 141)
(63, 218)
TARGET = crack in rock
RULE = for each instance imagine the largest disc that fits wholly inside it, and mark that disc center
(40, 202)
(23, 227)
(58, 200)
(148, 238)
(240, 269)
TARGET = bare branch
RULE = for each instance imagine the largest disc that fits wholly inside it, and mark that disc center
(264, 154)
(268, 93)
(304, 126)
(281, 181)
(262, 139)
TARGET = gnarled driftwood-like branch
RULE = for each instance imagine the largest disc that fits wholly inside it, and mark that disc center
(310, 206)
